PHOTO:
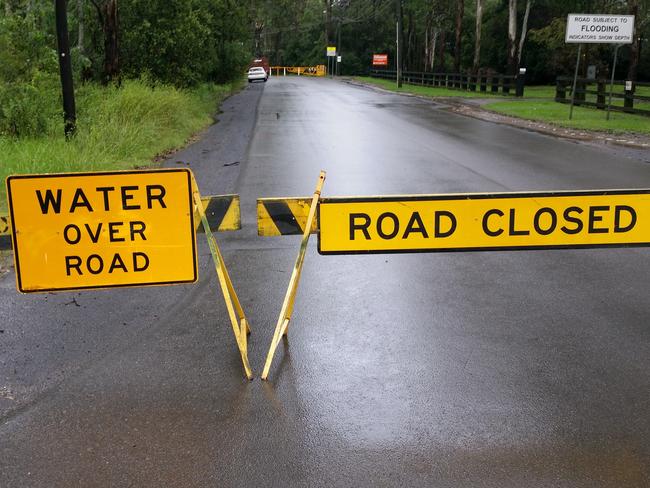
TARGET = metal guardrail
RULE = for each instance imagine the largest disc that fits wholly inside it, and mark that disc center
(595, 93)
(485, 83)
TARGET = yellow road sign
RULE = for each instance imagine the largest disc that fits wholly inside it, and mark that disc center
(480, 222)
(100, 230)
(222, 212)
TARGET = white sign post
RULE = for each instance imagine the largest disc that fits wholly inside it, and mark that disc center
(598, 29)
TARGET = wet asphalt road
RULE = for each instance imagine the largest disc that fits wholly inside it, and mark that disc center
(500, 369)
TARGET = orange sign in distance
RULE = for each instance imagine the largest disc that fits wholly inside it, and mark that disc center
(380, 59)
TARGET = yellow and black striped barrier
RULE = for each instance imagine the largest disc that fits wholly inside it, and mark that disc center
(284, 216)
(5, 233)
(222, 212)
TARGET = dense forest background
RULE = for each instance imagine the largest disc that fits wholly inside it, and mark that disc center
(444, 35)
(187, 43)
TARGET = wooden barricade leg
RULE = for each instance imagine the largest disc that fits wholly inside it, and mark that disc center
(236, 314)
(282, 326)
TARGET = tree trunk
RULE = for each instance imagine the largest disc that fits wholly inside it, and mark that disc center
(633, 9)
(111, 46)
(441, 51)
(477, 43)
(427, 45)
(512, 36)
(432, 51)
(328, 22)
(80, 20)
(460, 12)
(409, 43)
(7, 8)
(524, 31)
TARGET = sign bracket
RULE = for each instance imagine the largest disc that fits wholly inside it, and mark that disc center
(238, 320)
(282, 326)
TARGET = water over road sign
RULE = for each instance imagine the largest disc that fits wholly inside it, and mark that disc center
(481, 222)
(98, 230)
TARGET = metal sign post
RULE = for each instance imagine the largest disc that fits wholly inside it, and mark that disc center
(575, 82)
(282, 327)
(611, 82)
(597, 29)
(331, 53)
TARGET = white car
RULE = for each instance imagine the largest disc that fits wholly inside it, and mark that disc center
(257, 74)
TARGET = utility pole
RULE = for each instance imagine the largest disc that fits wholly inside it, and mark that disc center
(65, 67)
(398, 68)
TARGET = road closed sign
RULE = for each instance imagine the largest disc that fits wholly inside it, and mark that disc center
(99, 230)
(483, 222)
(599, 28)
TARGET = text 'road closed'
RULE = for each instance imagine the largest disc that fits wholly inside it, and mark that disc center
(77, 231)
(484, 222)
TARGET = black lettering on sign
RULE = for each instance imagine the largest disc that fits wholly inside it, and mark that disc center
(49, 200)
(137, 267)
(117, 263)
(72, 262)
(72, 234)
(138, 227)
(127, 196)
(94, 237)
(412, 227)
(538, 218)
(511, 226)
(617, 218)
(486, 228)
(593, 219)
(438, 223)
(155, 192)
(572, 220)
(113, 231)
(96, 269)
(80, 200)
(380, 225)
(105, 190)
(363, 227)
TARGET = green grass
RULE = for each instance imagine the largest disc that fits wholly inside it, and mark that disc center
(583, 117)
(529, 91)
(539, 91)
(118, 128)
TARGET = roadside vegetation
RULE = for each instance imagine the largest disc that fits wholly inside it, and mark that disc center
(175, 62)
(119, 128)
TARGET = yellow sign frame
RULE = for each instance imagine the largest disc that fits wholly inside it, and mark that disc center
(282, 326)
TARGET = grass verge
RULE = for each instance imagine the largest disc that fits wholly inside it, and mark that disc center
(118, 128)
(583, 117)
(428, 91)
(537, 104)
